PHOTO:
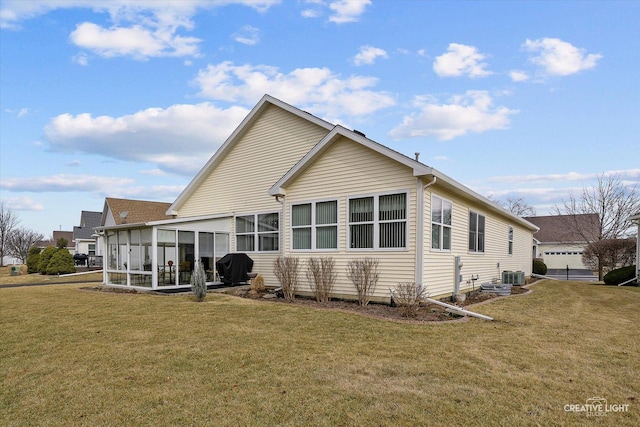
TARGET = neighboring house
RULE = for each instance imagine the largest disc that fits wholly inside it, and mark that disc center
(288, 183)
(558, 244)
(68, 236)
(636, 219)
(84, 234)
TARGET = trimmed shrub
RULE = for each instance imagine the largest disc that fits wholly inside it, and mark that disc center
(199, 281)
(45, 257)
(539, 267)
(620, 275)
(257, 283)
(364, 276)
(408, 297)
(286, 270)
(33, 260)
(61, 263)
(322, 276)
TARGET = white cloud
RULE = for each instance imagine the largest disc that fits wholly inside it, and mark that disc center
(81, 59)
(472, 112)
(518, 76)
(63, 183)
(23, 203)
(136, 41)
(317, 90)
(369, 54)
(23, 112)
(178, 139)
(247, 35)
(461, 59)
(560, 58)
(630, 174)
(347, 10)
(141, 28)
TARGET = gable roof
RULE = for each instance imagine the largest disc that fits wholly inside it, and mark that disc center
(556, 228)
(67, 235)
(127, 211)
(88, 221)
(419, 170)
(226, 147)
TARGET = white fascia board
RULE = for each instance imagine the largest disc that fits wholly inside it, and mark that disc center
(237, 133)
(635, 217)
(161, 222)
(442, 178)
(278, 189)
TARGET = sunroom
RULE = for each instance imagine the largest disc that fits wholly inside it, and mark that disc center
(160, 254)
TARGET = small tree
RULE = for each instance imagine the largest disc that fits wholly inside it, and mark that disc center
(62, 243)
(21, 241)
(61, 262)
(364, 276)
(610, 253)
(199, 281)
(322, 276)
(286, 270)
(8, 221)
(408, 296)
(45, 257)
(33, 259)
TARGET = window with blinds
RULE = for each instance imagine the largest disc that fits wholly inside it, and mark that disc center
(378, 222)
(315, 225)
(441, 223)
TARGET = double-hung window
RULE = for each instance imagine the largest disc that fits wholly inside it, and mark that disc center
(440, 223)
(476, 232)
(315, 225)
(257, 232)
(510, 240)
(378, 222)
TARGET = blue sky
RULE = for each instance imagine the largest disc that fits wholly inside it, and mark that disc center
(129, 99)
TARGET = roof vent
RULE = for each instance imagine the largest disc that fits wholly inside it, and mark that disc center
(359, 133)
(417, 156)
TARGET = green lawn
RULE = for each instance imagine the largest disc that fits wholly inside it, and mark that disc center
(73, 357)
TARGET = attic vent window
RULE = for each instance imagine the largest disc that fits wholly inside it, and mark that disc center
(359, 133)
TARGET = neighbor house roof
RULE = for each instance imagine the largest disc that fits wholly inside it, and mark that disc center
(127, 211)
(88, 221)
(562, 228)
(67, 235)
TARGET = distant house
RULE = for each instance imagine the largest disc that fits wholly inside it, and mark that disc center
(68, 236)
(84, 234)
(558, 244)
(287, 183)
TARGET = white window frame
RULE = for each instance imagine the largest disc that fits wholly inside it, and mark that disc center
(376, 221)
(441, 225)
(255, 233)
(475, 249)
(314, 226)
(510, 241)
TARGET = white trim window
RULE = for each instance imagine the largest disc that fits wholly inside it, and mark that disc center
(476, 232)
(510, 240)
(441, 213)
(314, 225)
(263, 238)
(378, 222)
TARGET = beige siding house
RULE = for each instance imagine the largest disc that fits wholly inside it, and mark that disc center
(287, 183)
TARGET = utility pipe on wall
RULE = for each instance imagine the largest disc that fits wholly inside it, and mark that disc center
(420, 229)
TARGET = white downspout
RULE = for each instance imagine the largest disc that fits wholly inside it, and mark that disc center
(282, 223)
(420, 228)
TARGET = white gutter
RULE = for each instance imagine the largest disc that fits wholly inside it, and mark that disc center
(282, 223)
(459, 310)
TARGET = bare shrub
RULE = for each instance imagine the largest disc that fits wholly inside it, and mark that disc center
(199, 281)
(322, 276)
(408, 296)
(257, 283)
(364, 276)
(286, 270)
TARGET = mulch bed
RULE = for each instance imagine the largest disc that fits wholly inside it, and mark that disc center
(425, 313)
